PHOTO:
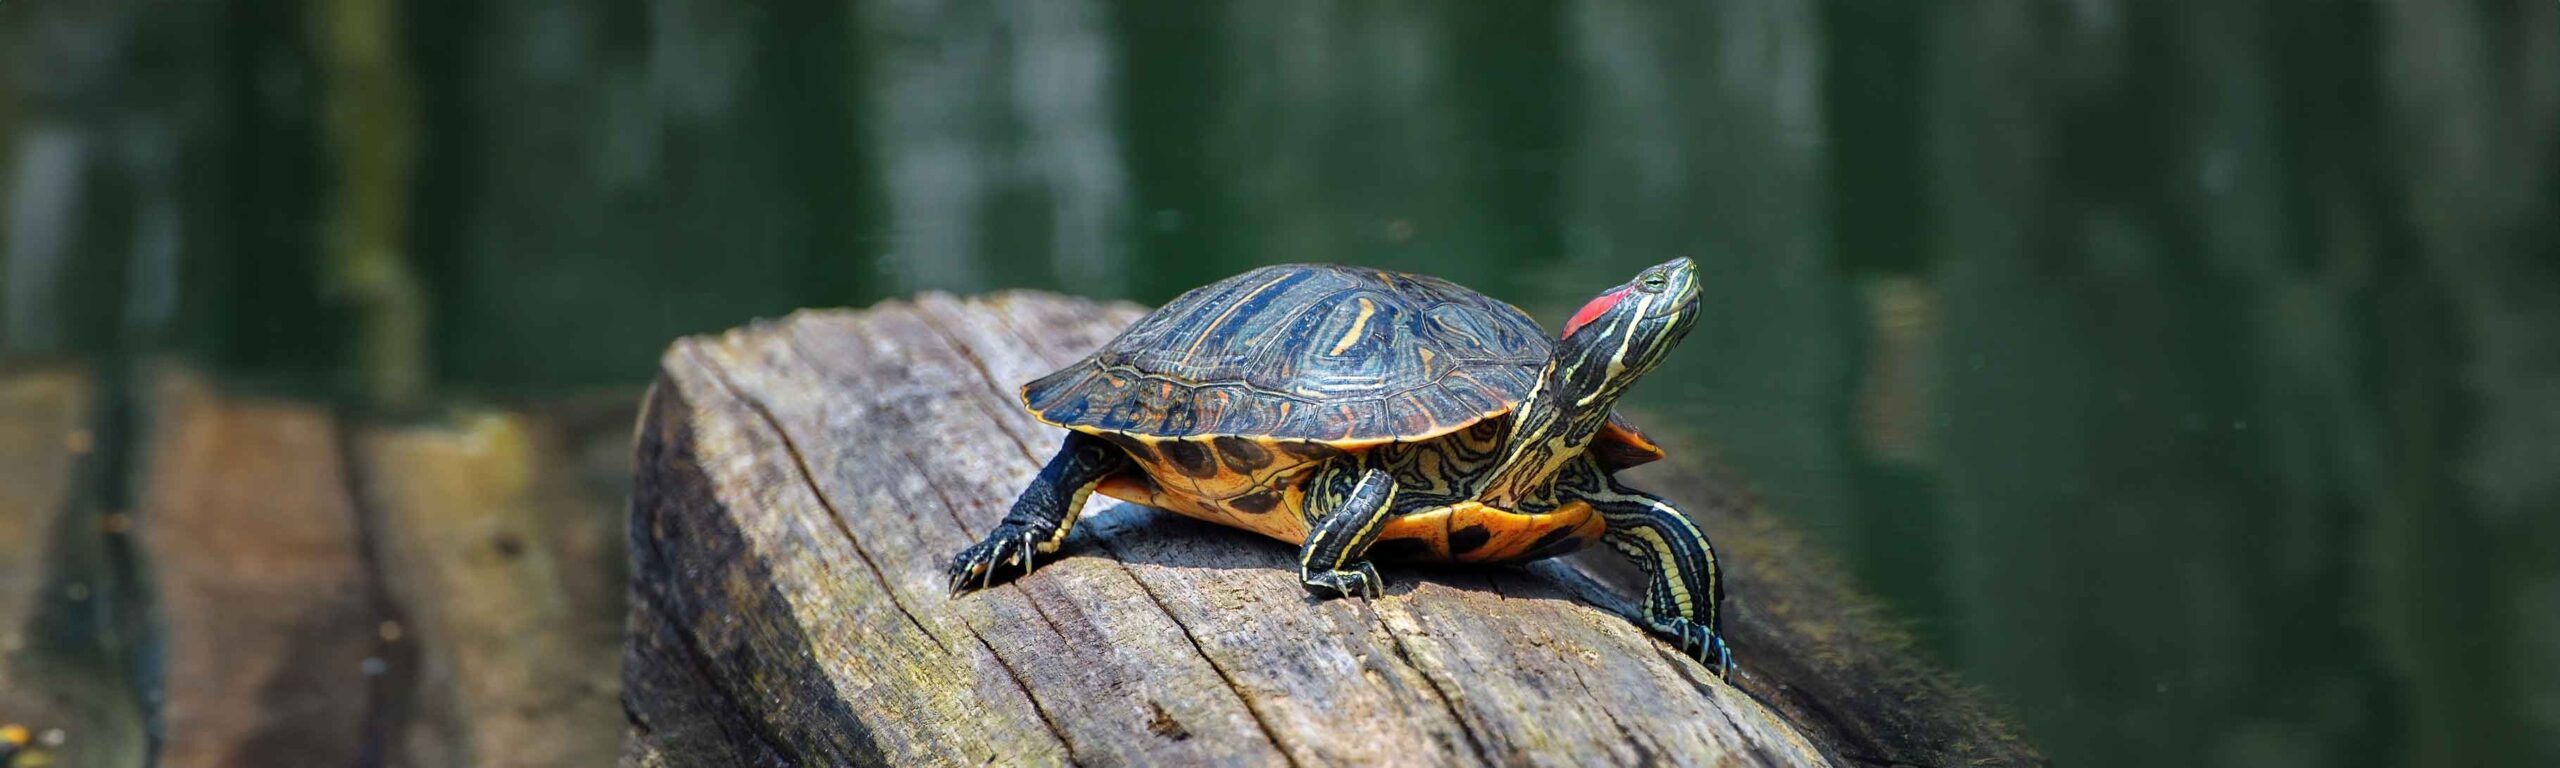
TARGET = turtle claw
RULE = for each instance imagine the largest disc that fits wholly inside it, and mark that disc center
(1361, 580)
(1008, 553)
(1697, 641)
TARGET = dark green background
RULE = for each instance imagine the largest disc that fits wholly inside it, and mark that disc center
(2188, 373)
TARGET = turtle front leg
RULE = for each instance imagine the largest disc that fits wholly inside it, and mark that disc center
(1346, 507)
(1041, 517)
(1684, 590)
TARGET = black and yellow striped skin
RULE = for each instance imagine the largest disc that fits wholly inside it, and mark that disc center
(1368, 415)
(1357, 501)
(1042, 516)
(1685, 590)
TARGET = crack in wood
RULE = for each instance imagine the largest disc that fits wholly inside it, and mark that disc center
(994, 385)
(1242, 696)
(1036, 610)
(950, 508)
(907, 454)
(1046, 719)
(1395, 641)
(810, 482)
(1646, 754)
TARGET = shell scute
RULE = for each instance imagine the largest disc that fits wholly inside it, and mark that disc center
(1304, 352)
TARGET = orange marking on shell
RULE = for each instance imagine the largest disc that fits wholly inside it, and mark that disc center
(1431, 527)
(1211, 498)
(1212, 407)
(1514, 534)
(1423, 407)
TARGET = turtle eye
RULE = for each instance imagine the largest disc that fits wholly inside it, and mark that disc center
(1653, 280)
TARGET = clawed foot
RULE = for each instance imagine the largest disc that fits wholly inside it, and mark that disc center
(1007, 553)
(1361, 580)
(1697, 641)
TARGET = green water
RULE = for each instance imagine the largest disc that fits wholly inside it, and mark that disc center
(2188, 374)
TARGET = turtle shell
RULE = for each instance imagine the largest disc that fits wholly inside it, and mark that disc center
(1304, 352)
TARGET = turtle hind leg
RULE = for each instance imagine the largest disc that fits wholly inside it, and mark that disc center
(1683, 588)
(1041, 516)
(1347, 507)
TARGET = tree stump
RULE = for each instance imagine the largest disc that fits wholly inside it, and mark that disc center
(801, 484)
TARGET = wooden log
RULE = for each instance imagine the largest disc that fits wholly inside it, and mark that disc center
(800, 485)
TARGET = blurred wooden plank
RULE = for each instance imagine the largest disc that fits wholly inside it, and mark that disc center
(270, 610)
(43, 434)
(501, 539)
(66, 617)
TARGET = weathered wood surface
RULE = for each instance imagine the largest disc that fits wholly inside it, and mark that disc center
(499, 536)
(256, 559)
(801, 484)
(278, 583)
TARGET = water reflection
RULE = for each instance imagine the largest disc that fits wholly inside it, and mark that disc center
(2186, 373)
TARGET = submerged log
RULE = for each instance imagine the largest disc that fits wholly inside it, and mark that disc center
(800, 485)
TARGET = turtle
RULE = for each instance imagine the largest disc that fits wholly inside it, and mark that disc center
(1365, 414)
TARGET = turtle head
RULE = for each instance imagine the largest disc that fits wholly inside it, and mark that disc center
(1622, 334)
(1617, 338)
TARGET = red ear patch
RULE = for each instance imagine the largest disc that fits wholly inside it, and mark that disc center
(1594, 310)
